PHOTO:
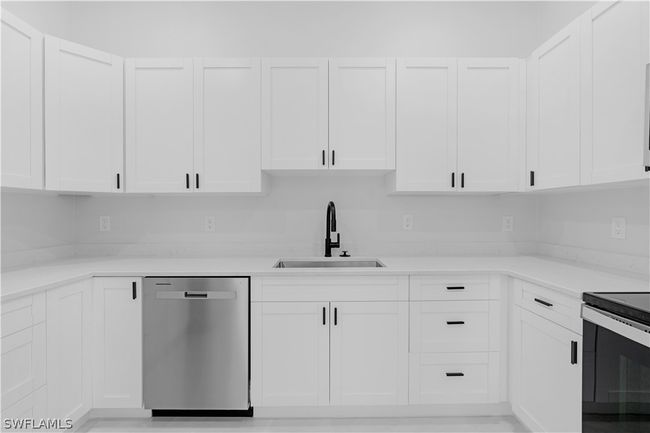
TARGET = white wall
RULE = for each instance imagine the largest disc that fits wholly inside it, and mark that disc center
(36, 227)
(577, 226)
(291, 221)
(135, 29)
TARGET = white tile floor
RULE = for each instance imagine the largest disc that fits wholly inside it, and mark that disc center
(436, 424)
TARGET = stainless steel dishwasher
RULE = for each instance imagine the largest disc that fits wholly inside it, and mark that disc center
(196, 343)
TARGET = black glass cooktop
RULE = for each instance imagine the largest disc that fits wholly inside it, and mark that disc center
(631, 305)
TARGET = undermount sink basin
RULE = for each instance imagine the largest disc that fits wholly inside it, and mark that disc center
(335, 263)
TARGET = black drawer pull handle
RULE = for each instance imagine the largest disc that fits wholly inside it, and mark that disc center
(323, 315)
(543, 302)
(532, 178)
(196, 295)
(455, 322)
(187, 180)
(462, 180)
(323, 157)
(197, 181)
(333, 157)
(455, 287)
(118, 181)
(336, 316)
(134, 293)
(574, 352)
(453, 180)
(455, 374)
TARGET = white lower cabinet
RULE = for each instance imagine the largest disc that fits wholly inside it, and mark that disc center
(547, 374)
(290, 353)
(117, 342)
(369, 353)
(69, 333)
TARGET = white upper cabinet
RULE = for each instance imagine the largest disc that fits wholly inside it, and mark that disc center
(554, 111)
(22, 104)
(159, 125)
(614, 53)
(294, 113)
(489, 130)
(83, 118)
(362, 113)
(426, 125)
(227, 125)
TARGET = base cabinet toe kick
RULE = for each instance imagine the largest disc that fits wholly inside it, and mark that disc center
(318, 345)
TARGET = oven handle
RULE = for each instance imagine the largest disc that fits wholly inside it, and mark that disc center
(198, 295)
(634, 331)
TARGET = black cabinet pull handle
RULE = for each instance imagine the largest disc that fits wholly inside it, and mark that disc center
(197, 181)
(324, 316)
(134, 291)
(543, 302)
(453, 180)
(187, 180)
(336, 316)
(118, 181)
(462, 180)
(333, 157)
(455, 287)
(323, 156)
(532, 178)
(574, 352)
(196, 295)
(455, 322)
(455, 374)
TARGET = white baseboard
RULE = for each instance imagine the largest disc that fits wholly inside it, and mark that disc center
(488, 409)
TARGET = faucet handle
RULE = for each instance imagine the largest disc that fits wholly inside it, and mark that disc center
(337, 244)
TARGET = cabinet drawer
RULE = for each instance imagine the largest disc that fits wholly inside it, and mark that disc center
(33, 406)
(558, 308)
(22, 313)
(455, 326)
(454, 378)
(330, 288)
(452, 288)
(23, 363)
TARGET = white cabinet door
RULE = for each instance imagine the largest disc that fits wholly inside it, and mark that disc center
(369, 353)
(22, 104)
(554, 111)
(614, 52)
(159, 125)
(83, 118)
(426, 125)
(290, 353)
(69, 333)
(362, 113)
(117, 343)
(294, 113)
(548, 386)
(489, 130)
(227, 125)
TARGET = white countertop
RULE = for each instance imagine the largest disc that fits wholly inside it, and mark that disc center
(570, 279)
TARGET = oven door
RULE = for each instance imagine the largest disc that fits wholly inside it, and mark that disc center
(615, 374)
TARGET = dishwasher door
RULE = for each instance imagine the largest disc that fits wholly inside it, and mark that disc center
(196, 343)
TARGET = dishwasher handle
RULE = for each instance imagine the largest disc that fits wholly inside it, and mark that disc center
(197, 295)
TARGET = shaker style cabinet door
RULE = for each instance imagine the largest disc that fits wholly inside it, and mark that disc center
(369, 353)
(294, 114)
(227, 125)
(117, 342)
(554, 111)
(426, 125)
(159, 125)
(22, 104)
(489, 129)
(547, 381)
(362, 113)
(83, 118)
(69, 351)
(290, 345)
(614, 55)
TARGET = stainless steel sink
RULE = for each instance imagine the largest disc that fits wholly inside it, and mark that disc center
(336, 263)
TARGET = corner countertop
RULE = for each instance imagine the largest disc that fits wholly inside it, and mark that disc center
(571, 279)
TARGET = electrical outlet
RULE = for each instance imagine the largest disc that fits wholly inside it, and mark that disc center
(407, 222)
(618, 228)
(507, 223)
(210, 224)
(104, 224)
